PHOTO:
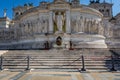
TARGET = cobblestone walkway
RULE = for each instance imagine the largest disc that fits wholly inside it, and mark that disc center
(6, 75)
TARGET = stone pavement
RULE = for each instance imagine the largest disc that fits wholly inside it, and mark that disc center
(7, 75)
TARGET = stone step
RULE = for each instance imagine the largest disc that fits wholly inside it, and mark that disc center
(39, 57)
(53, 63)
(41, 60)
(51, 66)
(58, 54)
(58, 57)
(46, 58)
(54, 55)
(60, 60)
(86, 52)
(45, 69)
(34, 65)
(57, 64)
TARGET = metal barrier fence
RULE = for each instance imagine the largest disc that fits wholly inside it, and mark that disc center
(114, 60)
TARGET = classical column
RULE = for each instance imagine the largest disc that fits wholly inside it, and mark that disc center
(50, 22)
(68, 27)
(82, 24)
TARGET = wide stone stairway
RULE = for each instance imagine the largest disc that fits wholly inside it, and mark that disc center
(58, 60)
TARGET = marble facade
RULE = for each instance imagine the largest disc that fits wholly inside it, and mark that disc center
(57, 23)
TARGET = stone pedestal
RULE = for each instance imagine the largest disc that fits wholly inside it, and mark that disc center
(88, 41)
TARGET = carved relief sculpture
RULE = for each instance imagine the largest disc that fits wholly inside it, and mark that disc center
(59, 20)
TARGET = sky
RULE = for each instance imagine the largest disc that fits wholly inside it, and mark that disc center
(9, 4)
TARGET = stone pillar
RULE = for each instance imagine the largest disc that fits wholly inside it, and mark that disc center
(68, 27)
(82, 25)
(50, 22)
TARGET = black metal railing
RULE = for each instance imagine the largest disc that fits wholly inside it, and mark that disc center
(113, 62)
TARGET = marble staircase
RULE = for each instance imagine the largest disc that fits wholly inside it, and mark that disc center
(57, 60)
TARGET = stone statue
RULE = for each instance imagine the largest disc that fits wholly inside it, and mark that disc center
(77, 24)
(82, 24)
(73, 23)
(60, 22)
(108, 28)
(100, 28)
(5, 12)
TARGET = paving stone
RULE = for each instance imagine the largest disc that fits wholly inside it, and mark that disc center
(59, 76)
(3, 76)
(18, 76)
(117, 75)
(103, 77)
(87, 76)
(74, 77)
(47, 77)
(116, 79)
